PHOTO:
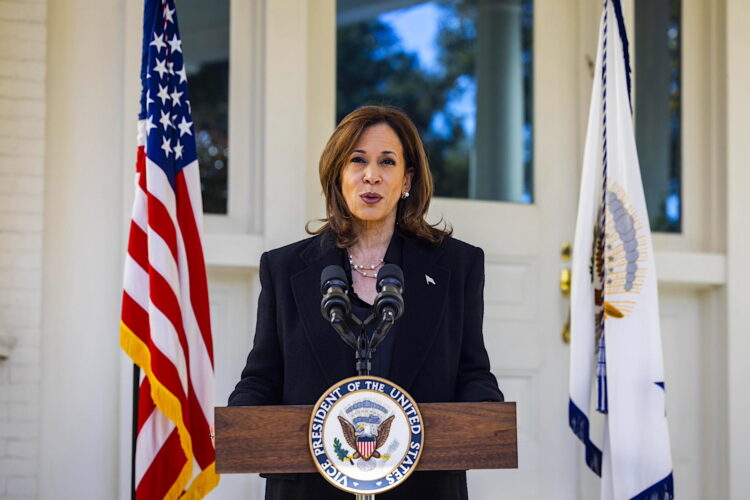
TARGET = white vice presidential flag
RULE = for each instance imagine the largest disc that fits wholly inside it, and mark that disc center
(616, 354)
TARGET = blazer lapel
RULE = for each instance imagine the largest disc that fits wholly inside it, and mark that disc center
(333, 356)
(425, 293)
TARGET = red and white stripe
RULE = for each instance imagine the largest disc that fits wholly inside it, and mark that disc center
(366, 448)
(166, 330)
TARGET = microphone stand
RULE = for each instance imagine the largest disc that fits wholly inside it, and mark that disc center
(362, 348)
(366, 349)
(345, 323)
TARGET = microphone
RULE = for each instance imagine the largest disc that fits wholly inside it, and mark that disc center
(333, 285)
(390, 286)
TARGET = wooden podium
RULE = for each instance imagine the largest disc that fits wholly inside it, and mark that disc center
(274, 439)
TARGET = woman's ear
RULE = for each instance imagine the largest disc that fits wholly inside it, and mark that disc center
(408, 176)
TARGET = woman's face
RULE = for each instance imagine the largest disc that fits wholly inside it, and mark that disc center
(375, 175)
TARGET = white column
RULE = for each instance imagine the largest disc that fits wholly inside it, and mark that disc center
(497, 170)
(83, 251)
(738, 245)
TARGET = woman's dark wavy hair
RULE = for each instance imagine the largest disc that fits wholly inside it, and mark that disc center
(410, 215)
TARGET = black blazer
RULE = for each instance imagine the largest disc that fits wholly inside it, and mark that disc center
(438, 356)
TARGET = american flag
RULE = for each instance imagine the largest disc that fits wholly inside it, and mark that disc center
(165, 325)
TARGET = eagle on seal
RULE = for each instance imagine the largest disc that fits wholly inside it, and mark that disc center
(366, 445)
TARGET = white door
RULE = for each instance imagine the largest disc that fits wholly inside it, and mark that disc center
(524, 309)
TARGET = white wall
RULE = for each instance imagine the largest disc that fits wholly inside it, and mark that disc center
(22, 111)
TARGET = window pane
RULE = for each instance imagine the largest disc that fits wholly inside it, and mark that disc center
(462, 70)
(658, 112)
(205, 40)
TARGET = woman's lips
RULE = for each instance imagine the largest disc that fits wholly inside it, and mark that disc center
(370, 198)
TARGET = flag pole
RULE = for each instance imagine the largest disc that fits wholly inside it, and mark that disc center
(136, 390)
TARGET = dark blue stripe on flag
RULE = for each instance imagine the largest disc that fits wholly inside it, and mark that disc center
(663, 490)
(579, 423)
(602, 402)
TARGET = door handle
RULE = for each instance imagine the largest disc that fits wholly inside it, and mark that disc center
(565, 334)
(565, 280)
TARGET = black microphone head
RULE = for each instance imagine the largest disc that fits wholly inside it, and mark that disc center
(333, 275)
(390, 273)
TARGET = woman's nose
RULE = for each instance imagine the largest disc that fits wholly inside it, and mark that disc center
(371, 175)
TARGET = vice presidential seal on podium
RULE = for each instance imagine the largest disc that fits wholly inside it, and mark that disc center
(365, 435)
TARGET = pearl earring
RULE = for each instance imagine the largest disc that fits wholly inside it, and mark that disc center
(404, 195)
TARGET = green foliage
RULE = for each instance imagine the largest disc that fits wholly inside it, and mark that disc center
(340, 451)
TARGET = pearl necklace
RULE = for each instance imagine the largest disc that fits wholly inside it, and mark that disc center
(360, 268)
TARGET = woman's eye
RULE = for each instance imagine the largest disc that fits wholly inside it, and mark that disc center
(388, 161)
(358, 159)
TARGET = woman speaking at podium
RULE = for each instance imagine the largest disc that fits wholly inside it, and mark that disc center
(377, 185)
